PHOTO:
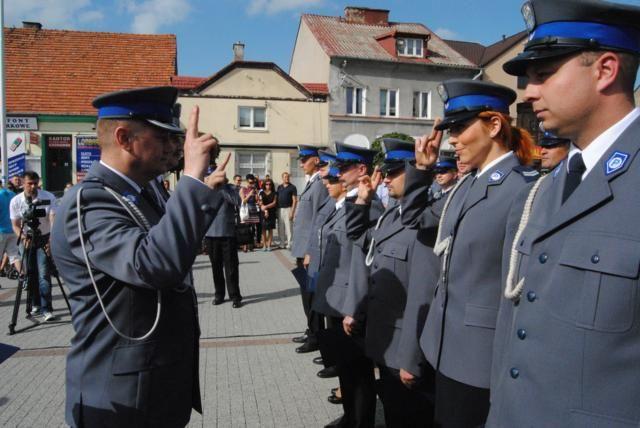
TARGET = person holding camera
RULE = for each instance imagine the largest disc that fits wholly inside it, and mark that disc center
(32, 213)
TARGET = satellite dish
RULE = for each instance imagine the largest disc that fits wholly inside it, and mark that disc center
(357, 140)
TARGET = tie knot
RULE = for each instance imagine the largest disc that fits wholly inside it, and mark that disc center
(576, 164)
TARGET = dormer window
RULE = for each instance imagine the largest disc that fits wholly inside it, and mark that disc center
(409, 47)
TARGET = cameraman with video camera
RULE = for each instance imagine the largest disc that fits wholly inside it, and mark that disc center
(32, 213)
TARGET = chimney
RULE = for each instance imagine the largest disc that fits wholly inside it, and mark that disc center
(238, 51)
(33, 25)
(365, 15)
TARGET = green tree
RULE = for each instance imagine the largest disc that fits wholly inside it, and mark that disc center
(377, 145)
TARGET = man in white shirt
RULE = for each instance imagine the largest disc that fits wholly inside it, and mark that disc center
(33, 231)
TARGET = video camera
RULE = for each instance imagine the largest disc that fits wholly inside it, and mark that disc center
(32, 214)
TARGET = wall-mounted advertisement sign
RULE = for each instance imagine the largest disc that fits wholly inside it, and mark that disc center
(87, 152)
(16, 149)
(21, 122)
(58, 141)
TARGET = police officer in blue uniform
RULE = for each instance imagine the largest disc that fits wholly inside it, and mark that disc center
(313, 254)
(553, 150)
(309, 200)
(458, 334)
(134, 357)
(341, 291)
(567, 347)
(446, 175)
(395, 252)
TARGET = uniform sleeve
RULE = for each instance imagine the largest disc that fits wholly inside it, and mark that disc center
(160, 258)
(355, 298)
(357, 220)
(416, 205)
(422, 283)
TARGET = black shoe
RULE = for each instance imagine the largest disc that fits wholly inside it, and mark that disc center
(318, 360)
(237, 304)
(328, 372)
(300, 339)
(217, 301)
(333, 399)
(307, 347)
(334, 390)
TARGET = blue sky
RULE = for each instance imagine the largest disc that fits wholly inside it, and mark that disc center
(206, 29)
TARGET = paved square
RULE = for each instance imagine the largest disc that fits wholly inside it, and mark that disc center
(249, 373)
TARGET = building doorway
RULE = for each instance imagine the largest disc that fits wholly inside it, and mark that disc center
(57, 168)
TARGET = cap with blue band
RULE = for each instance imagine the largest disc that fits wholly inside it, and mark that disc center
(351, 154)
(155, 105)
(470, 102)
(464, 99)
(399, 155)
(146, 110)
(558, 28)
(593, 33)
(396, 153)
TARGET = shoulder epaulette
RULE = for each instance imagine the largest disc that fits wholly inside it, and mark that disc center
(527, 172)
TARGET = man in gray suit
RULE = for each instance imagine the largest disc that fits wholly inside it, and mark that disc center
(309, 201)
(567, 345)
(133, 360)
(222, 248)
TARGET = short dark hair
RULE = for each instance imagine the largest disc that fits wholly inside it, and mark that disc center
(250, 177)
(237, 176)
(32, 175)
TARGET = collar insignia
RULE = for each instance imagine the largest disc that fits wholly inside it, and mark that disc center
(615, 162)
(496, 176)
(131, 197)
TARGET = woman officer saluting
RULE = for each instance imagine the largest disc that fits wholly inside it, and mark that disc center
(457, 338)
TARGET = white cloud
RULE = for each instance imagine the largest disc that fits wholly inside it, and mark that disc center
(445, 33)
(62, 14)
(272, 7)
(150, 15)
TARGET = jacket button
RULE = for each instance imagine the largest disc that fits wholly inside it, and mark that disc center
(379, 249)
(543, 258)
(595, 259)
(375, 265)
(531, 296)
(522, 334)
(514, 372)
(205, 207)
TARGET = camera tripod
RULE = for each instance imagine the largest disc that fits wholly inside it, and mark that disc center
(30, 278)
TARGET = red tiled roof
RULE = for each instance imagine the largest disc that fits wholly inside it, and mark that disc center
(186, 82)
(60, 72)
(340, 38)
(317, 88)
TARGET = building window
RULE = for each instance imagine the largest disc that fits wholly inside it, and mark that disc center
(389, 102)
(252, 117)
(252, 163)
(422, 105)
(355, 100)
(410, 47)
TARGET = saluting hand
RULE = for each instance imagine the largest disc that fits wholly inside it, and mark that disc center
(218, 177)
(427, 147)
(197, 149)
(367, 187)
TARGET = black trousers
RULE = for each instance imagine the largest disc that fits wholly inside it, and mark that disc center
(223, 254)
(406, 407)
(355, 373)
(459, 405)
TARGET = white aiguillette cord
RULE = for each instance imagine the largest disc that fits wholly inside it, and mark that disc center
(369, 259)
(142, 222)
(513, 291)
